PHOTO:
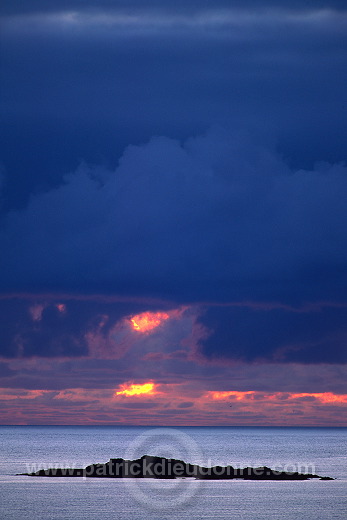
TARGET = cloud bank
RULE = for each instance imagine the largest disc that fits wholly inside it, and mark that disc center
(216, 218)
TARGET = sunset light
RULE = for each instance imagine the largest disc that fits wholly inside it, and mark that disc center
(148, 320)
(323, 397)
(133, 389)
(224, 395)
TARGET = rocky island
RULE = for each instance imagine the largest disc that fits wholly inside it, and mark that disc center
(162, 468)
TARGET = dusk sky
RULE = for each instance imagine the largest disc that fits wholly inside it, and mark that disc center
(173, 212)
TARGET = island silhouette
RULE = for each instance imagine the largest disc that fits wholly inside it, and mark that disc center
(149, 466)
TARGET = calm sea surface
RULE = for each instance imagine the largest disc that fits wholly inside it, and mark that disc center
(29, 448)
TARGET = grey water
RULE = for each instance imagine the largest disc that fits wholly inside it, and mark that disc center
(307, 450)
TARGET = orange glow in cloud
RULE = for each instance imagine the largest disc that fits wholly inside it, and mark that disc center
(133, 389)
(324, 397)
(8, 395)
(224, 395)
(148, 320)
(180, 402)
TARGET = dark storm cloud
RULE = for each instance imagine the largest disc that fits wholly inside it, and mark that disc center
(86, 87)
(46, 332)
(276, 335)
(58, 328)
(218, 218)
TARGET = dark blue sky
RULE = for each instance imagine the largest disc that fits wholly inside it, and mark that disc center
(164, 155)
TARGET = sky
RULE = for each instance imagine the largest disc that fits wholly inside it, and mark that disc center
(173, 187)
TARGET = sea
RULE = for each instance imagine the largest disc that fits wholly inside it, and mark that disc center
(308, 450)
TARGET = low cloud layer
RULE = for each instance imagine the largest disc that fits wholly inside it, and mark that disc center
(279, 335)
(242, 408)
